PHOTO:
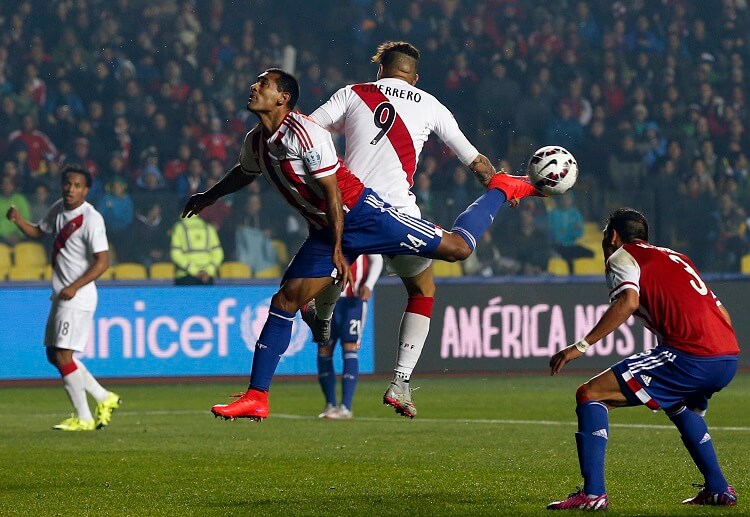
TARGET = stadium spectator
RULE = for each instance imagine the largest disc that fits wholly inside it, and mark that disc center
(80, 256)
(149, 241)
(10, 198)
(347, 327)
(196, 252)
(116, 208)
(253, 237)
(565, 227)
(696, 357)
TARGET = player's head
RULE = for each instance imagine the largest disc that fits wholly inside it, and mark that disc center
(624, 225)
(397, 59)
(274, 88)
(76, 182)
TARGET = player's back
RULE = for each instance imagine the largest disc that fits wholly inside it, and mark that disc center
(678, 305)
(386, 124)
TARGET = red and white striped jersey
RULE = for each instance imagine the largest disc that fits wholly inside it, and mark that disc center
(293, 158)
(675, 302)
(386, 124)
(77, 234)
(365, 271)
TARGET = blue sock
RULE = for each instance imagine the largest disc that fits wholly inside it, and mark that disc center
(349, 379)
(477, 218)
(694, 433)
(327, 378)
(272, 343)
(591, 439)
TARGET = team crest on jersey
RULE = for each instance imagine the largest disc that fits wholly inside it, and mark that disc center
(253, 318)
(312, 159)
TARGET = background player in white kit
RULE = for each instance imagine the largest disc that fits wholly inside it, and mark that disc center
(80, 255)
(386, 123)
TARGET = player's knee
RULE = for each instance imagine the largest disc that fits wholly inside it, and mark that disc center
(284, 302)
(583, 394)
(351, 347)
(456, 250)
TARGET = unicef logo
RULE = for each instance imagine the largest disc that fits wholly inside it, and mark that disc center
(253, 318)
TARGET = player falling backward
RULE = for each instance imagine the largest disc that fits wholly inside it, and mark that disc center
(386, 124)
(345, 219)
(80, 254)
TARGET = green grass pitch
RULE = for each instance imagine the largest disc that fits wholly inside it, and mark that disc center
(495, 445)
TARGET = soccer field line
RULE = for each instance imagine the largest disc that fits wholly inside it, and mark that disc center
(484, 421)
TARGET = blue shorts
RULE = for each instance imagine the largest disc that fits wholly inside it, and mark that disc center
(348, 320)
(663, 378)
(372, 226)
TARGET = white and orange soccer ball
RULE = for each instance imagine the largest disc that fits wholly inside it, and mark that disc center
(553, 170)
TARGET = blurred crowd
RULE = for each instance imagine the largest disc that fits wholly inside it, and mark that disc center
(150, 97)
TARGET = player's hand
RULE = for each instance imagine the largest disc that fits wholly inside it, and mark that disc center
(67, 293)
(563, 357)
(343, 272)
(197, 202)
(12, 214)
(364, 293)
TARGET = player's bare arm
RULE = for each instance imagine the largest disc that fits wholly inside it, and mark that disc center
(100, 265)
(232, 181)
(618, 312)
(725, 313)
(30, 230)
(335, 213)
(483, 169)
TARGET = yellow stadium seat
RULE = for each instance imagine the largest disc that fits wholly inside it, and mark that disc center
(162, 270)
(5, 257)
(29, 253)
(588, 266)
(269, 272)
(47, 272)
(557, 266)
(234, 269)
(109, 274)
(745, 264)
(24, 273)
(130, 271)
(4, 272)
(445, 269)
(281, 251)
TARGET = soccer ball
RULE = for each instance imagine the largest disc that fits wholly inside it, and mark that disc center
(553, 170)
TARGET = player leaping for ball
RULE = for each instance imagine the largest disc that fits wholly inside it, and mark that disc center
(386, 123)
(346, 219)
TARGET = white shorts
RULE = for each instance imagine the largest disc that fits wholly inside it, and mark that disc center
(407, 266)
(68, 328)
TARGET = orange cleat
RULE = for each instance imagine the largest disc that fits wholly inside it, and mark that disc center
(252, 404)
(514, 187)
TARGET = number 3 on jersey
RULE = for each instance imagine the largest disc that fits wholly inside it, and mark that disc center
(384, 116)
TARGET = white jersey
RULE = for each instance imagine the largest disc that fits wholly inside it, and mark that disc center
(78, 234)
(386, 124)
(292, 159)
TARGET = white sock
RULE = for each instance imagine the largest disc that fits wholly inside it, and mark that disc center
(90, 384)
(74, 386)
(415, 325)
(326, 300)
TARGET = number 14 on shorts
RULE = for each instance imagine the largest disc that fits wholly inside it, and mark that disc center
(414, 243)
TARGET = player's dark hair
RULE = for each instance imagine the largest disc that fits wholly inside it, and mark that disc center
(77, 169)
(287, 83)
(390, 52)
(630, 224)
